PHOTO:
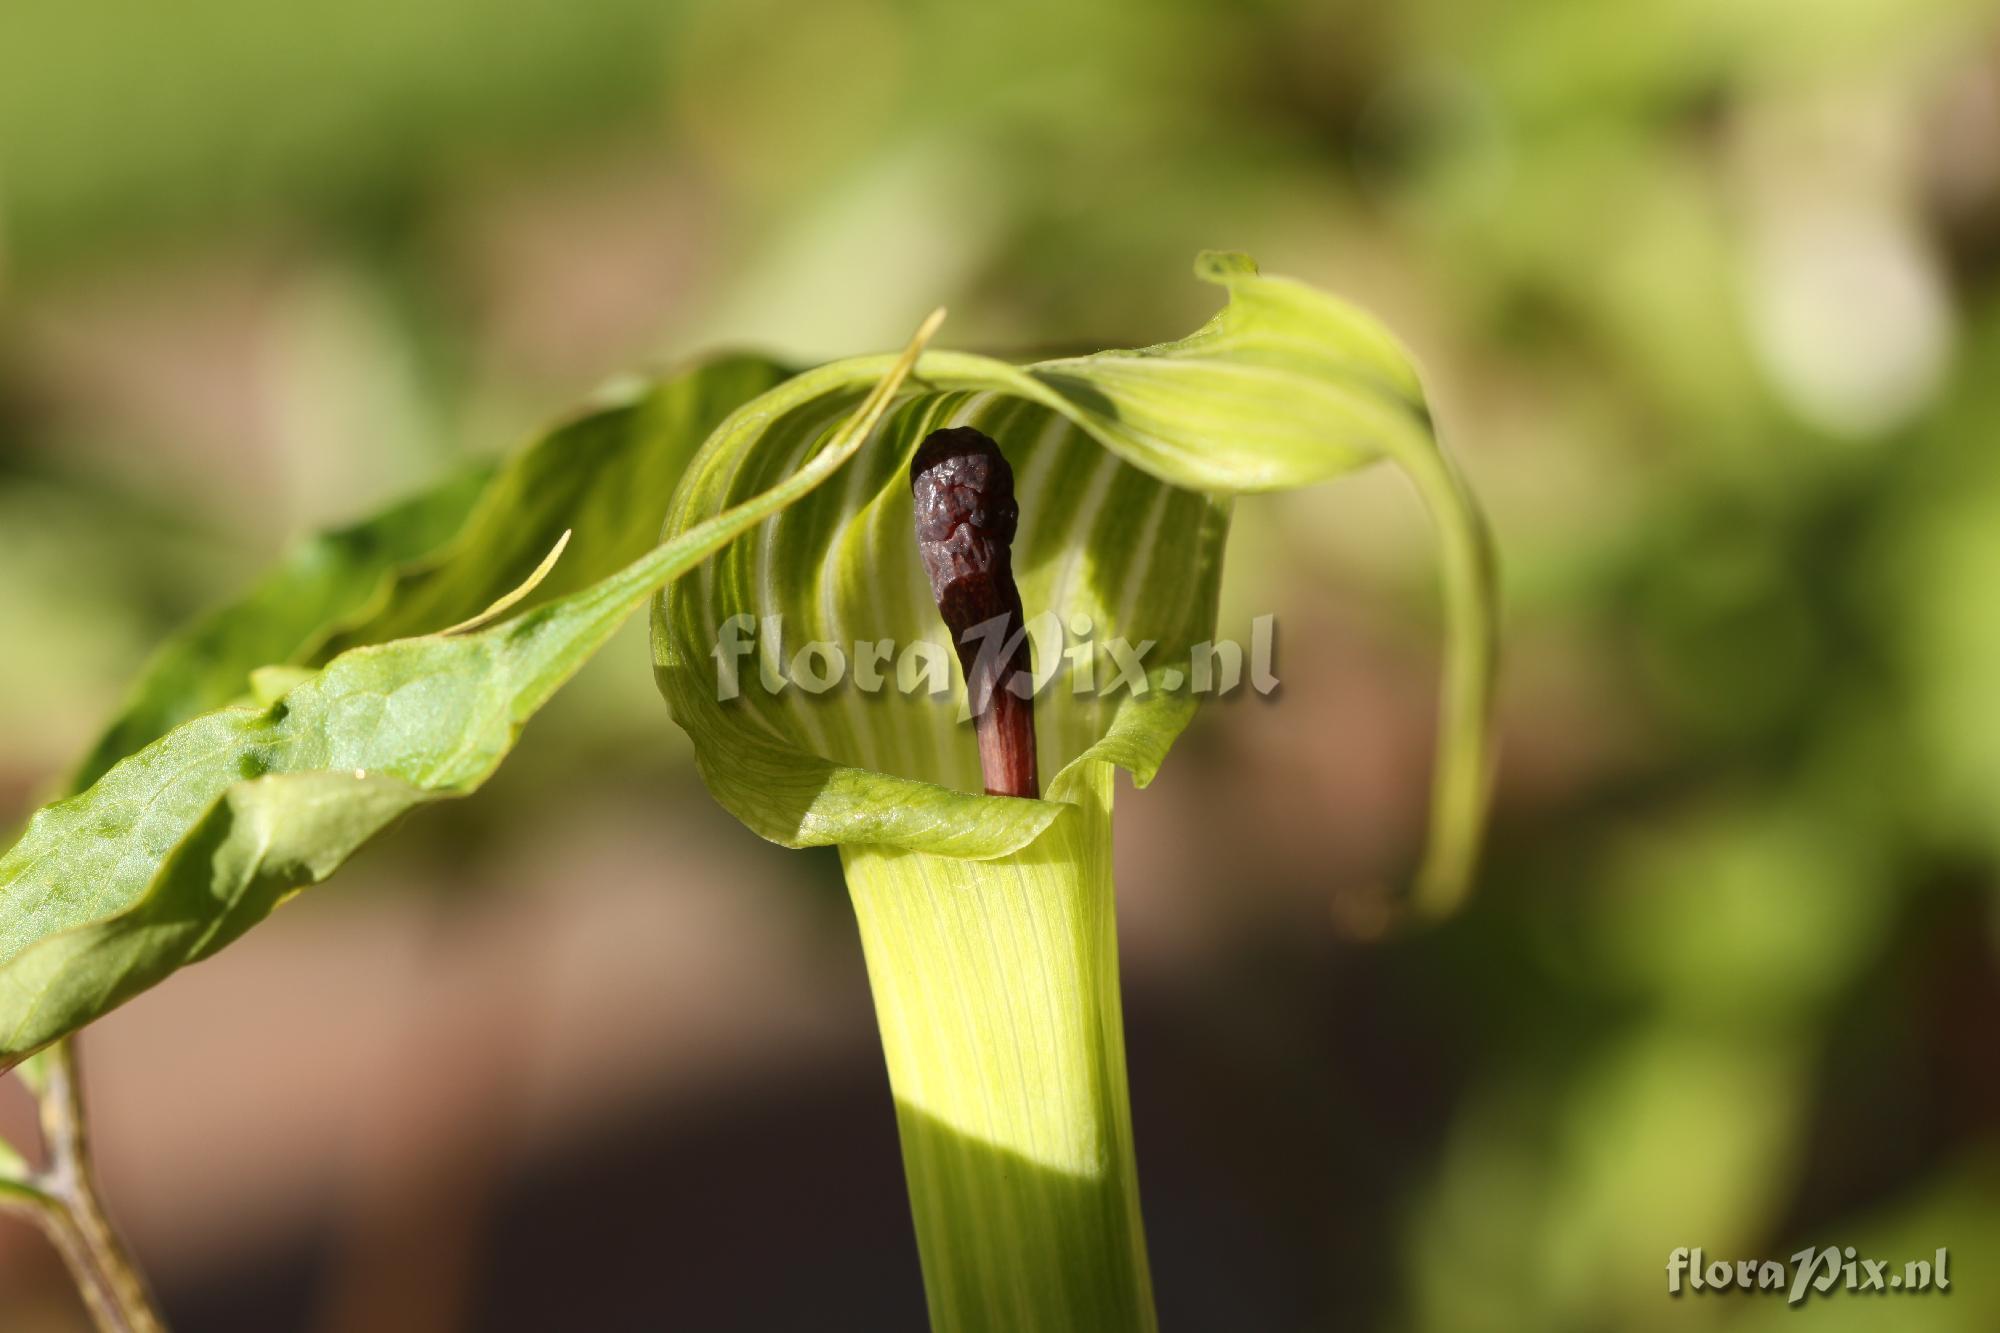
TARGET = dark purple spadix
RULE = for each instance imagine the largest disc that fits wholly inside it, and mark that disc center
(964, 495)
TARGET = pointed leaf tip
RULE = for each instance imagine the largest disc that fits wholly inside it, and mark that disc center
(1223, 265)
(513, 599)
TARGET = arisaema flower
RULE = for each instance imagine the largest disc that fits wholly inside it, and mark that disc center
(988, 920)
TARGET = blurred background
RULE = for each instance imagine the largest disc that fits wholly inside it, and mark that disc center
(1708, 295)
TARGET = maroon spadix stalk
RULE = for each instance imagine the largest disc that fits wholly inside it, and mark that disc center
(966, 516)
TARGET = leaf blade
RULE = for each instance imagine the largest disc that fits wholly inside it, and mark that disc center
(323, 582)
(184, 844)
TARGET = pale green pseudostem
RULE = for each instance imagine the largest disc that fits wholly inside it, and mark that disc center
(996, 990)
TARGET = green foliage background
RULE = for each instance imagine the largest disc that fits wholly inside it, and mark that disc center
(1709, 301)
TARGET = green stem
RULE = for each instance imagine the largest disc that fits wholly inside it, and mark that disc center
(996, 991)
(62, 1198)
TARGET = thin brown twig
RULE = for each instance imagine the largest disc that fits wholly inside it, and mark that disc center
(62, 1198)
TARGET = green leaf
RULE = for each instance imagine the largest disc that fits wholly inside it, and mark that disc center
(446, 554)
(180, 847)
(324, 582)
(1126, 464)
(604, 478)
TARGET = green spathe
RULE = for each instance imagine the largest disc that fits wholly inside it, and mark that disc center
(1126, 463)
